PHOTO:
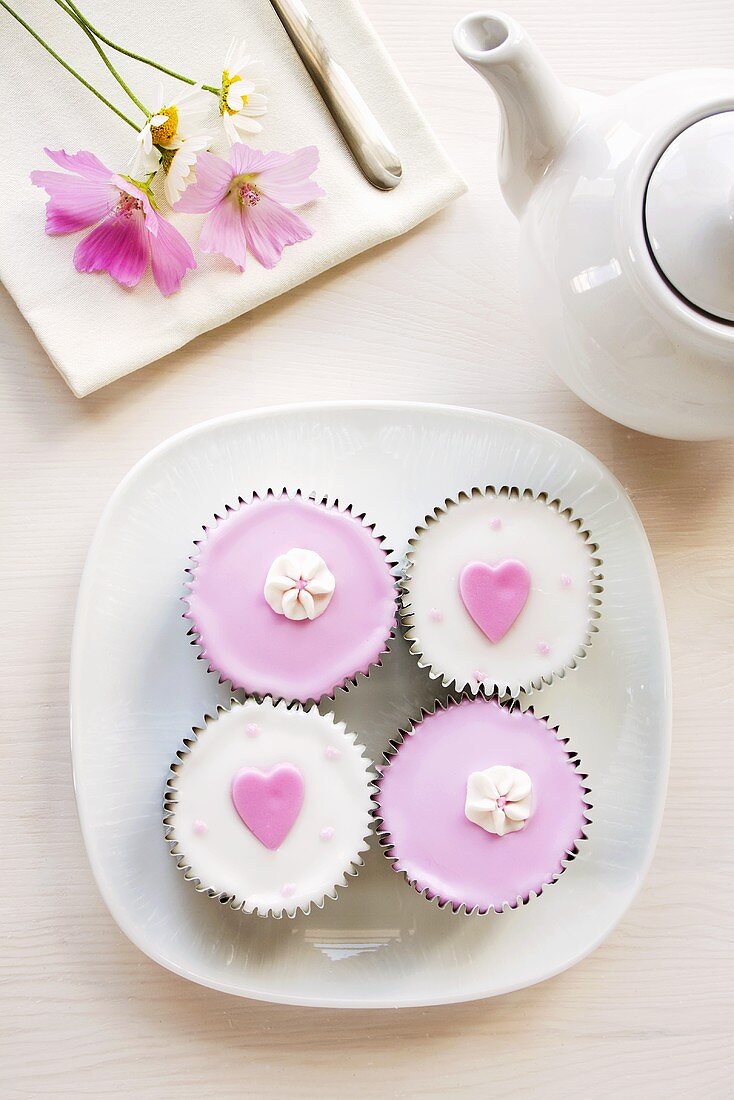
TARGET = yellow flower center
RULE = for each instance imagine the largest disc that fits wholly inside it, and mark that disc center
(245, 191)
(227, 81)
(167, 130)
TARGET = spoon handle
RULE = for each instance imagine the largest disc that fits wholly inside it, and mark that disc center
(366, 139)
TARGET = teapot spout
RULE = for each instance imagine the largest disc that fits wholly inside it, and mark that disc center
(537, 111)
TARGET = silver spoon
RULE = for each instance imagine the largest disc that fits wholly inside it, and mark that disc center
(363, 134)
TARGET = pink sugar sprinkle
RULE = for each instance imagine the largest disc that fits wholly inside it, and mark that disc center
(435, 615)
(288, 890)
(331, 753)
(327, 833)
(566, 580)
(200, 828)
(252, 730)
(543, 648)
(495, 523)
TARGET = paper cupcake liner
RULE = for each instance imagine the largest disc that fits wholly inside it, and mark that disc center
(170, 800)
(521, 687)
(384, 836)
(346, 509)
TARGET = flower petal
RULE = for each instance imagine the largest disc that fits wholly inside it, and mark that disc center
(243, 124)
(520, 787)
(243, 158)
(518, 811)
(82, 163)
(141, 163)
(223, 232)
(74, 202)
(307, 603)
(292, 606)
(118, 245)
(280, 583)
(498, 820)
(213, 177)
(284, 176)
(285, 567)
(170, 257)
(269, 227)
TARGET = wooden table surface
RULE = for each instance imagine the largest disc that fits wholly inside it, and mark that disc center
(434, 316)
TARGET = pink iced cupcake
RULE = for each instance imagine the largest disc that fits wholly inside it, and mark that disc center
(481, 806)
(291, 597)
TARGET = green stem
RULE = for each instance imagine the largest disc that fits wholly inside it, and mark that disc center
(67, 66)
(72, 9)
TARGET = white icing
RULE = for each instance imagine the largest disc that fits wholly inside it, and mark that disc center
(499, 799)
(299, 585)
(556, 615)
(228, 858)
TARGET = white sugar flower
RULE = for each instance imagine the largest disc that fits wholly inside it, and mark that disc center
(500, 799)
(299, 585)
(241, 100)
(173, 120)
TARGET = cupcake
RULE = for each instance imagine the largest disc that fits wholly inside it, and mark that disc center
(481, 806)
(290, 597)
(267, 807)
(501, 591)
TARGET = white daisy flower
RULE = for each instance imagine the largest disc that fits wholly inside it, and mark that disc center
(179, 165)
(242, 100)
(173, 120)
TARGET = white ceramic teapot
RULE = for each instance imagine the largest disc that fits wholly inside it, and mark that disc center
(626, 208)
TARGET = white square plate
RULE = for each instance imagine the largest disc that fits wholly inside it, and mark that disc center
(137, 688)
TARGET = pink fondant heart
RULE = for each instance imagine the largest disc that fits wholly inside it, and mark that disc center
(494, 595)
(268, 802)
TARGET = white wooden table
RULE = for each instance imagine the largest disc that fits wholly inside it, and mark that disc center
(434, 317)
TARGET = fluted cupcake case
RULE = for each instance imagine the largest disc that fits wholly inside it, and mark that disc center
(501, 592)
(267, 807)
(481, 805)
(291, 596)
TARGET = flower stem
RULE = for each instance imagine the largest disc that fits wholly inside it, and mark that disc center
(71, 8)
(71, 11)
(67, 66)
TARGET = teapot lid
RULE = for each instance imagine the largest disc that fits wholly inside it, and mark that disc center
(689, 215)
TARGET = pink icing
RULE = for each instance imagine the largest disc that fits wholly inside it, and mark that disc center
(494, 595)
(269, 802)
(269, 654)
(423, 793)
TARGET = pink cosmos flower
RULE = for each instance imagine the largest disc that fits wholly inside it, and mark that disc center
(245, 199)
(129, 230)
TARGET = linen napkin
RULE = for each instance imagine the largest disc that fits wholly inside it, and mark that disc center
(95, 331)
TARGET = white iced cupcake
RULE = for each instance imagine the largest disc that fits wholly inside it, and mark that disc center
(267, 807)
(501, 591)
